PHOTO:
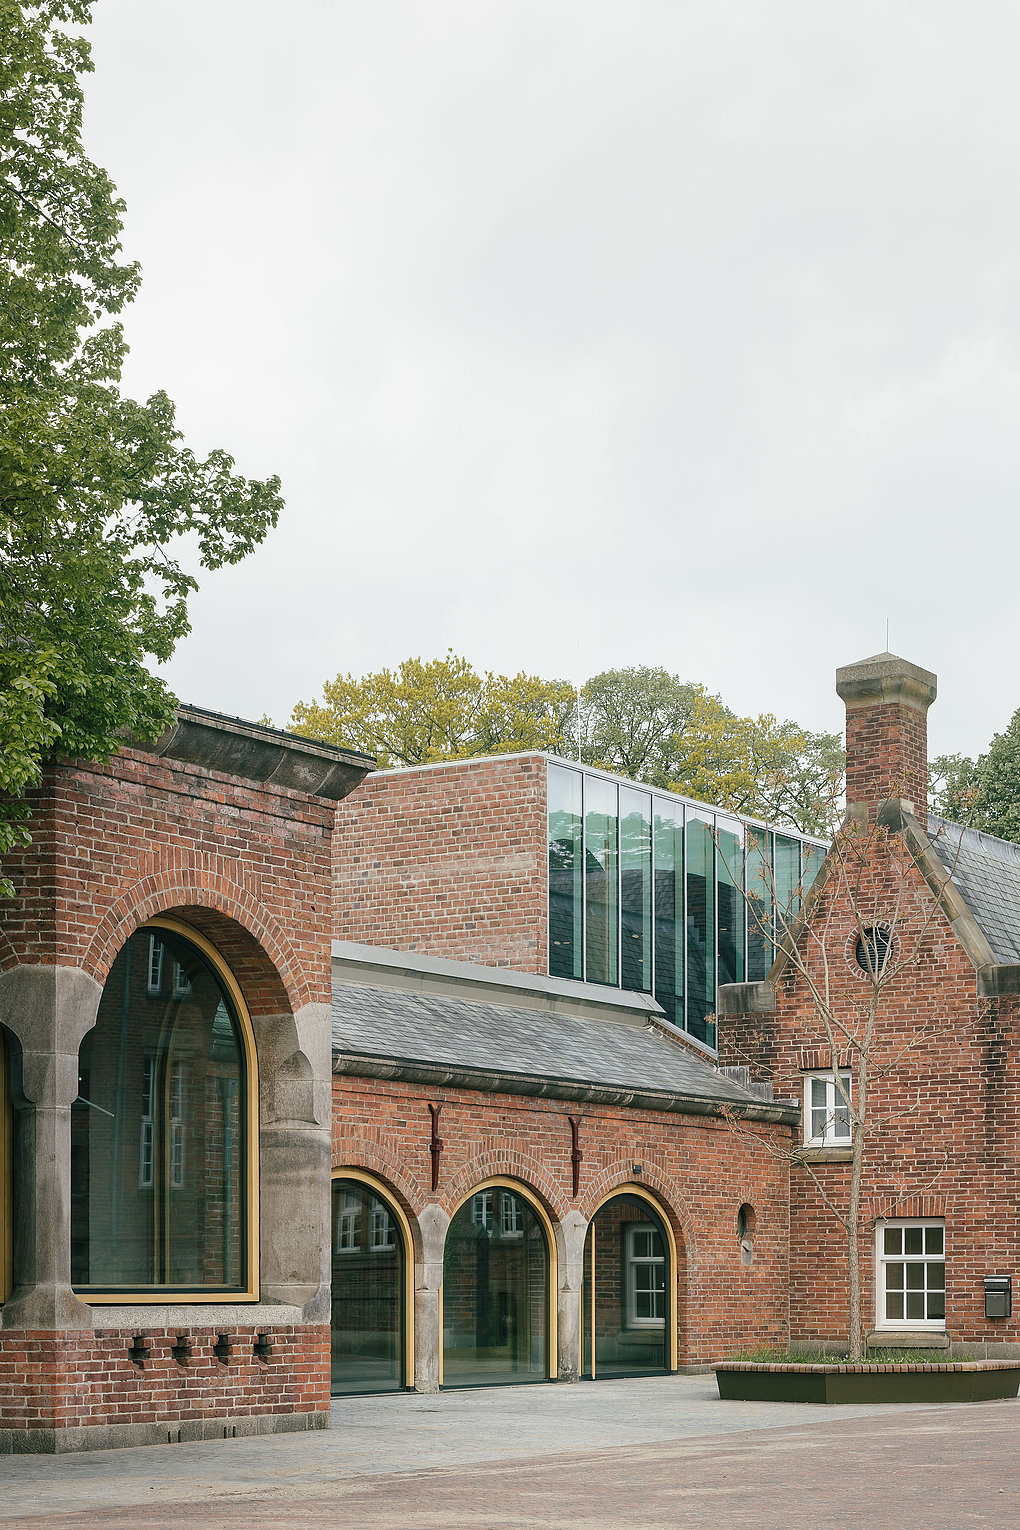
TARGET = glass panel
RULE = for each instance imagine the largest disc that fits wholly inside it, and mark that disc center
(894, 1276)
(6, 1198)
(669, 906)
(627, 1245)
(915, 1277)
(915, 1306)
(893, 1240)
(566, 868)
(787, 878)
(936, 1277)
(758, 881)
(367, 1292)
(700, 927)
(913, 1239)
(636, 890)
(894, 1306)
(729, 867)
(495, 1296)
(812, 859)
(158, 1131)
(934, 1238)
(937, 1305)
(601, 872)
(841, 1112)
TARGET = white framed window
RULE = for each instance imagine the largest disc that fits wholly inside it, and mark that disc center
(911, 1284)
(380, 1232)
(481, 1209)
(182, 983)
(646, 1277)
(147, 1140)
(178, 1084)
(154, 982)
(511, 1221)
(347, 1224)
(827, 1109)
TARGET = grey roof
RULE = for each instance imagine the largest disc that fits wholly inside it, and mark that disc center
(497, 1039)
(986, 873)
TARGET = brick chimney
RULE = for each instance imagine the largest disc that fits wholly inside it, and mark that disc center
(887, 703)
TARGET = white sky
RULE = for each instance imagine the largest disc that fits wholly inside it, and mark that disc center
(688, 332)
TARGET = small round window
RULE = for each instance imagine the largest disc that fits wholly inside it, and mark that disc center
(873, 949)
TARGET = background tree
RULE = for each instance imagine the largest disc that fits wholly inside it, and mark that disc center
(633, 722)
(982, 793)
(94, 488)
(440, 709)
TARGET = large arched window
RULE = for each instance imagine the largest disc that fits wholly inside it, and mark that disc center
(6, 1171)
(628, 1297)
(499, 1316)
(163, 1132)
(372, 1306)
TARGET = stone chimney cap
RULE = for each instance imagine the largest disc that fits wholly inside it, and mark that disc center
(886, 678)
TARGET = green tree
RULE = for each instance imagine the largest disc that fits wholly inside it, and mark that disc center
(94, 488)
(440, 709)
(952, 786)
(633, 722)
(995, 791)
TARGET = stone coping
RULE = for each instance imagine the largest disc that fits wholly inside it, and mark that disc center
(867, 1367)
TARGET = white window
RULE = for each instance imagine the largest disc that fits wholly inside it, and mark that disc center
(178, 1084)
(510, 1220)
(380, 1232)
(481, 1209)
(827, 1109)
(911, 1263)
(155, 978)
(347, 1224)
(182, 983)
(646, 1277)
(147, 1144)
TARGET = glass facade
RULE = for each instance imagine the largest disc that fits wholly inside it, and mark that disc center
(368, 1295)
(625, 1291)
(159, 1139)
(495, 1292)
(656, 894)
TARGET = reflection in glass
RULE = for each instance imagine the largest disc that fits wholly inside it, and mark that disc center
(669, 909)
(787, 881)
(158, 1131)
(566, 873)
(495, 1292)
(369, 1262)
(758, 881)
(812, 861)
(729, 863)
(601, 872)
(625, 1290)
(636, 890)
(700, 927)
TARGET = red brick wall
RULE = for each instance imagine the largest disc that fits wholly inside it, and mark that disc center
(701, 1171)
(448, 860)
(950, 1104)
(887, 755)
(72, 1380)
(114, 844)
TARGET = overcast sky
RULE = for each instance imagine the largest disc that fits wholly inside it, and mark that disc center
(683, 334)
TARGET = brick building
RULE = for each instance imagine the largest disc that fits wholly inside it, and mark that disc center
(528, 1121)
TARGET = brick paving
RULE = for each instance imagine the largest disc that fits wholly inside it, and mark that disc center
(658, 1452)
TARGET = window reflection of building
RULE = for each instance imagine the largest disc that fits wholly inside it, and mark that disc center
(166, 1067)
(646, 1277)
(495, 1292)
(626, 1287)
(370, 1282)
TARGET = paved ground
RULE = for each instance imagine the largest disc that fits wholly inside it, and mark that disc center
(628, 1454)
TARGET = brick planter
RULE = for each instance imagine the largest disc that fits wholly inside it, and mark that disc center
(966, 1381)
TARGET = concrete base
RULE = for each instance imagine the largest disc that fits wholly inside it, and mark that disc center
(49, 1442)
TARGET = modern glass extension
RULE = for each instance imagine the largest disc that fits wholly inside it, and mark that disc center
(657, 894)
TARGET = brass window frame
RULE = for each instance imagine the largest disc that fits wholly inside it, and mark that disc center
(138, 1296)
(385, 1194)
(6, 1173)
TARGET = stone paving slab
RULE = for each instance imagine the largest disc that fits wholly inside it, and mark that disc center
(552, 1456)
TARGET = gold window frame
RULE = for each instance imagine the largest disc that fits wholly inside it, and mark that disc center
(384, 1194)
(159, 1295)
(640, 1193)
(6, 1173)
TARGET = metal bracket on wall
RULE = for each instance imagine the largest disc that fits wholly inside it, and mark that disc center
(575, 1152)
(435, 1144)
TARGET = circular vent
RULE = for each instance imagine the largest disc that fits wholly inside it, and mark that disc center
(873, 949)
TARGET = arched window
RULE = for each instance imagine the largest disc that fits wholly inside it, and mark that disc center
(372, 1307)
(629, 1289)
(163, 1132)
(499, 1320)
(6, 1171)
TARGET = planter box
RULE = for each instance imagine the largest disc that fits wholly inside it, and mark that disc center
(966, 1381)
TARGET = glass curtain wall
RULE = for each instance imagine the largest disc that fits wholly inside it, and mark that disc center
(495, 1292)
(369, 1270)
(652, 893)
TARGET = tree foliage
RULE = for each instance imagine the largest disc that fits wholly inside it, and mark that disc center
(982, 793)
(440, 709)
(94, 487)
(640, 722)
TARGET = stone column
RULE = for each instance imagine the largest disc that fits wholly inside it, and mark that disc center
(49, 1010)
(428, 1278)
(571, 1234)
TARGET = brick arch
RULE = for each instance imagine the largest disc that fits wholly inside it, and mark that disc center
(512, 1160)
(383, 1167)
(200, 891)
(619, 1175)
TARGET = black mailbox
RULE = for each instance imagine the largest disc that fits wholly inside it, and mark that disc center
(998, 1296)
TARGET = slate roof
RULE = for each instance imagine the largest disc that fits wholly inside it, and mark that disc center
(426, 1028)
(986, 873)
